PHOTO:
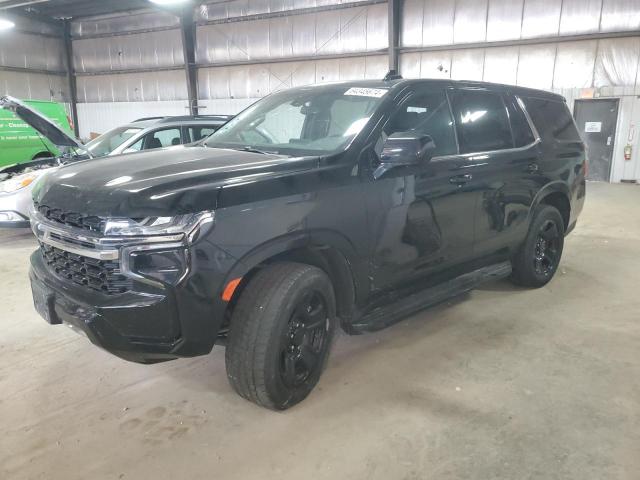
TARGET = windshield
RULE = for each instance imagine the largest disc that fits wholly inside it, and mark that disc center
(306, 121)
(107, 143)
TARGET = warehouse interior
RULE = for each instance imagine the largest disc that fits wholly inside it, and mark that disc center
(501, 382)
(128, 58)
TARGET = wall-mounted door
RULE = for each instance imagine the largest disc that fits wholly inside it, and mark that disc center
(596, 120)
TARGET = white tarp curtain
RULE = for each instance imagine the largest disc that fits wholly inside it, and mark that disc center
(443, 22)
(348, 30)
(34, 86)
(239, 8)
(133, 87)
(579, 64)
(254, 81)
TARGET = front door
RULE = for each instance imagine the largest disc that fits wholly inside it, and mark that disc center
(596, 120)
(420, 218)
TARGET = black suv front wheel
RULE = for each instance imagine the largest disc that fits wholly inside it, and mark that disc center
(539, 256)
(280, 334)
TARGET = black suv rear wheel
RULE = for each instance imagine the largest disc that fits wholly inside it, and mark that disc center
(280, 334)
(537, 260)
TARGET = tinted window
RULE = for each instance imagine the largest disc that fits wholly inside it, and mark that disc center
(522, 134)
(481, 120)
(552, 119)
(426, 113)
(198, 133)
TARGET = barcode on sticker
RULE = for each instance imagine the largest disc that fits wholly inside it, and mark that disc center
(366, 92)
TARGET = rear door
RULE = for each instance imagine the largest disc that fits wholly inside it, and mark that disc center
(502, 153)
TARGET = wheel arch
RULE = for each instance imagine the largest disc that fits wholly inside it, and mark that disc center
(42, 155)
(557, 195)
(330, 251)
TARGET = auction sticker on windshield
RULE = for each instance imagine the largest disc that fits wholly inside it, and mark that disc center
(366, 92)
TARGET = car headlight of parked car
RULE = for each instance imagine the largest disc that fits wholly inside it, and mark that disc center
(18, 182)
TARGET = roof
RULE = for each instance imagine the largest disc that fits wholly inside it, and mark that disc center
(398, 84)
(147, 122)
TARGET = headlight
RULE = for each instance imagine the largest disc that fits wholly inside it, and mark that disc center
(166, 266)
(16, 183)
(186, 224)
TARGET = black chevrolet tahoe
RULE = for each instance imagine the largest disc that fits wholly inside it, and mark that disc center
(347, 205)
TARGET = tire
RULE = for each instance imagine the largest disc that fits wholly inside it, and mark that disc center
(535, 264)
(280, 334)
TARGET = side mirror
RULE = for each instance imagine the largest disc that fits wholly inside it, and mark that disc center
(402, 149)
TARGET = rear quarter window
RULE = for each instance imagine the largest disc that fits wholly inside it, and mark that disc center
(552, 119)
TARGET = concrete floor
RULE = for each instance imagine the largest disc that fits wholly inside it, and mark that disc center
(502, 383)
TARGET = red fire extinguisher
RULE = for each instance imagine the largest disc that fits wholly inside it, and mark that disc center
(627, 152)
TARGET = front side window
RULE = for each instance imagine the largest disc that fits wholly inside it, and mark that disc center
(304, 121)
(162, 138)
(481, 121)
(107, 143)
(426, 113)
(198, 133)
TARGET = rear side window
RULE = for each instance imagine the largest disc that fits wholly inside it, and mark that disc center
(481, 120)
(552, 119)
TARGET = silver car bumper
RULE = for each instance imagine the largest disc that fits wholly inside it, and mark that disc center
(15, 207)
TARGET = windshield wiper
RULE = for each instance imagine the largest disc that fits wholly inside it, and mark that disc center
(253, 150)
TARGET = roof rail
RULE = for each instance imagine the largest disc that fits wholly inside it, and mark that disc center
(148, 118)
(392, 75)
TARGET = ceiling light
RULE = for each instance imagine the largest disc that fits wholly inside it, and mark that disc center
(6, 24)
(168, 3)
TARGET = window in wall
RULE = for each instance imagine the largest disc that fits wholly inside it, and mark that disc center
(481, 120)
(426, 113)
(552, 119)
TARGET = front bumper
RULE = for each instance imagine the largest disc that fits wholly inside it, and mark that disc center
(139, 326)
(11, 219)
(14, 208)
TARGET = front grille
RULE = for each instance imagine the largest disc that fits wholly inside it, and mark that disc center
(99, 275)
(91, 223)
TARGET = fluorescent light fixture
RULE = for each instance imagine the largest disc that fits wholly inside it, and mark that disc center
(6, 24)
(168, 3)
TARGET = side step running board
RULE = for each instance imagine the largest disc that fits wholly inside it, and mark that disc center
(382, 317)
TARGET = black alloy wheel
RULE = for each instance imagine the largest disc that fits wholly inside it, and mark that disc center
(280, 334)
(304, 344)
(536, 261)
(546, 256)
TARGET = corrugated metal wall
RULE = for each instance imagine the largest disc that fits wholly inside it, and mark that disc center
(37, 46)
(249, 48)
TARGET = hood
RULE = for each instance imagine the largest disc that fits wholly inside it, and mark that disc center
(27, 167)
(164, 182)
(40, 123)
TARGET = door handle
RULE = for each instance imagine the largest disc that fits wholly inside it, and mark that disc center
(460, 179)
(533, 167)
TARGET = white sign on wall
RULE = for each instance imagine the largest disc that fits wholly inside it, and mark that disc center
(592, 127)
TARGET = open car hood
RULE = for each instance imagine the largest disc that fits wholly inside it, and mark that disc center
(39, 122)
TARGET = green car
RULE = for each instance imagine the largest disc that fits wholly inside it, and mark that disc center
(21, 143)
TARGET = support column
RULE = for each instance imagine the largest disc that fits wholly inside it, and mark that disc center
(188, 28)
(71, 77)
(394, 33)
